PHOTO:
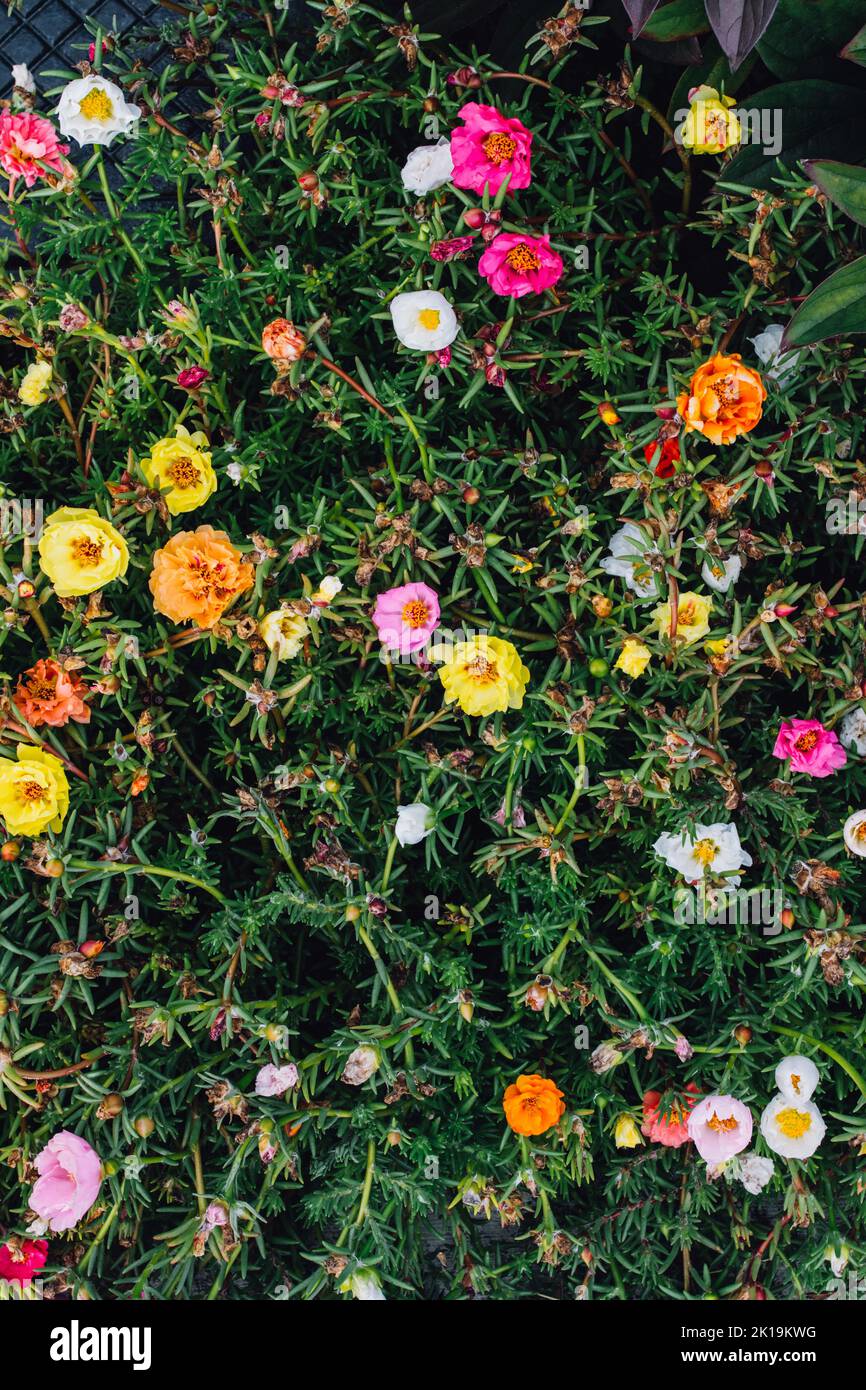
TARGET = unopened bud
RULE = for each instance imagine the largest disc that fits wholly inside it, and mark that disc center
(602, 606)
(10, 851)
(743, 1034)
(471, 495)
(144, 1126)
(110, 1107)
(308, 180)
(787, 918)
(474, 218)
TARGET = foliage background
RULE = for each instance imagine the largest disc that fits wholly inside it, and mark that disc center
(241, 912)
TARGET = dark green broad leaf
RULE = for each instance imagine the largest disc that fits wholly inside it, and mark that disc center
(856, 49)
(837, 307)
(805, 37)
(814, 119)
(844, 184)
(738, 24)
(639, 12)
(681, 19)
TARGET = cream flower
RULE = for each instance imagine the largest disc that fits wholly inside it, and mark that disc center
(414, 823)
(852, 730)
(283, 633)
(365, 1285)
(715, 850)
(629, 548)
(424, 320)
(721, 574)
(755, 1172)
(428, 167)
(22, 77)
(93, 111)
(35, 383)
(854, 834)
(797, 1077)
(327, 591)
(792, 1128)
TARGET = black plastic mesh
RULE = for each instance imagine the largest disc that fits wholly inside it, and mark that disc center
(42, 33)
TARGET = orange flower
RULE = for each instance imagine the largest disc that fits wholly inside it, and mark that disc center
(46, 694)
(282, 341)
(724, 399)
(532, 1105)
(196, 575)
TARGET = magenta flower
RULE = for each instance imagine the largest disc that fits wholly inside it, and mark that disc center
(27, 143)
(487, 148)
(275, 1081)
(191, 378)
(21, 1259)
(406, 617)
(720, 1126)
(811, 748)
(453, 246)
(517, 265)
(70, 1173)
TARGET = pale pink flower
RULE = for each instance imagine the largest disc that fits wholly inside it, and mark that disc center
(27, 143)
(72, 318)
(275, 1081)
(406, 617)
(683, 1049)
(70, 1173)
(720, 1126)
(487, 148)
(515, 265)
(811, 748)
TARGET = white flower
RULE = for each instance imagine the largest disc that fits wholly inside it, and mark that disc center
(792, 1128)
(797, 1077)
(780, 369)
(275, 1081)
(93, 111)
(428, 167)
(414, 823)
(755, 1172)
(715, 850)
(424, 320)
(628, 548)
(721, 574)
(852, 730)
(364, 1284)
(854, 833)
(22, 77)
(838, 1257)
(326, 592)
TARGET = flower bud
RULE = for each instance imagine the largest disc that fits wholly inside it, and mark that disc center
(474, 218)
(602, 606)
(10, 851)
(53, 868)
(110, 1107)
(144, 1126)
(308, 180)
(471, 495)
(787, 918)
(743, 1034)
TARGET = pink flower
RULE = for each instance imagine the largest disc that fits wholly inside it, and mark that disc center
(684, 1049)
(811, 748)
(668, 1125)
(275, 1081)
(28, 142)
(406, 617)
(262, 120)
(517, 265)
(487, 148)
(70, 1173)
(720, 1126)
(21, 1259)
(192, 377)
(448, 250)
(71, 318)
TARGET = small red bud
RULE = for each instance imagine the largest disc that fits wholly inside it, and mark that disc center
(471, 495)
(784, 610)
(764, 469)
(474, 218)
(308, 181)
(787, 918)
(830, 611)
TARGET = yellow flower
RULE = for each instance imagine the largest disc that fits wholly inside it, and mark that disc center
(633, 659)
(483, 675)
(34, 792)
(283, 632)
(80, 551)
(35, 383)
(183, 466)
(693, 611)
(710, 127)
(626, 1134)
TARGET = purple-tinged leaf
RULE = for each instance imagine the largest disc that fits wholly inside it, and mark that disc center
(639, 12)
(738, 24)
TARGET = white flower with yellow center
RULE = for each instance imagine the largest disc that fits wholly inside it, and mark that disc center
(631, 550)
(854, 834)
(424, 320)
(797, 1077)
(93, 111)
(793, 1128)
(713, 851)
(720, 573)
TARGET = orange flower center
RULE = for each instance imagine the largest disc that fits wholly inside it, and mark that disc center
(416, 613)
(806, 742)
(721, 1126)
(498, 147)
(41, 689)
(726, 390)
(482, 671)
(183, 473)
(31, 791)
(795, 1082)
(523, 259)
(686, 615)
(87, 552)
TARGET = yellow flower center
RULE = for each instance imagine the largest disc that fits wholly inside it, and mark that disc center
(794, 1123)
(416, 613)
(686, 615)
(86, 551)
(429, 319)
(183, 473)
(705, 851)
(96, 106)
(498, 147)
(806, 742)
(522, 259)
(860, 831)
(482, 671)
(721, 1126)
